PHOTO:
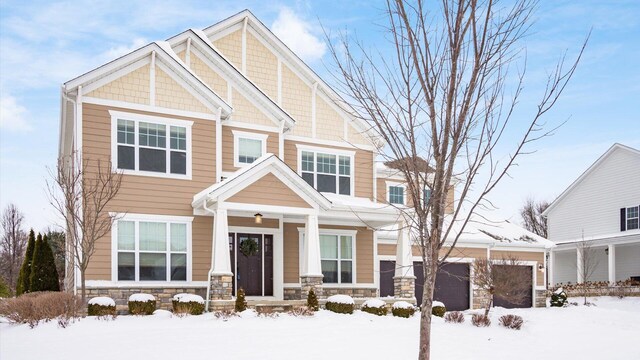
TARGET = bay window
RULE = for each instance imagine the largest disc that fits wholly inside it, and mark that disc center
(326, 171)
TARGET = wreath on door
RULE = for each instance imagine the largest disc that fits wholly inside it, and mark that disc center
(249, 247)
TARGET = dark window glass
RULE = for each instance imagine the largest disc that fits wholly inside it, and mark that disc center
(153, 160)
(326, 183)
(178, 267)
(345, 271)
(153, 267)
(126, 266)
(126, 158)
(345, 185)
(308, 177)
(178, 162)
(330, 271)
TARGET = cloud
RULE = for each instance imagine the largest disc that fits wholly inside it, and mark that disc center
(297, 35)
(13, 115)
(117, 51)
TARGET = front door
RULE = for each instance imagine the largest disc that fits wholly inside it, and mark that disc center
(253, 258)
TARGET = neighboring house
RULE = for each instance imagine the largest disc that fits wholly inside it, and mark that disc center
(600, 208)
(242, 168)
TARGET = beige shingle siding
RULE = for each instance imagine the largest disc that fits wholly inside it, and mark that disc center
(245, 111)
(210, 77)
(170, 94)
(356, 137)
(329, 124)
(132, 87)
(296, 100)
(262, 67)
(231, 47)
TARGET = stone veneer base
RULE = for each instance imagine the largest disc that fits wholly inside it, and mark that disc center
(163, 295)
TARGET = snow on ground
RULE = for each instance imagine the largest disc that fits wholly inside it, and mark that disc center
(608, 330)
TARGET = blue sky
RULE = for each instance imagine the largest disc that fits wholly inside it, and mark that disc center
(43, 44)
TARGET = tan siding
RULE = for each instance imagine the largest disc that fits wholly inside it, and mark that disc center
(296, 100)
(227, 145)
(381, 188)
(329, 124)
(209, 76)
(291, 253)
(462, 252)
(250, 222)
(132, 87)
(387, 249)
(245, 111)
(269, 190)
(170, 94)
(231, 47)
(538, 257)
(355, 137)
(364, 255)
(262, 66)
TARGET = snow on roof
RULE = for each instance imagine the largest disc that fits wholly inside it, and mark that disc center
(347, 201)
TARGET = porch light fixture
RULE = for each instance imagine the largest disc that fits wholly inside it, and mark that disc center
(258, 218)
(606, 250)
(540, 267)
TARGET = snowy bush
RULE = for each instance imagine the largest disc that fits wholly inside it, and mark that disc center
(375, 306)
(341, 304)
(32, 308)
(142, 304)
(511, 321)
(559, 298)
(102, 306)
(454, 317)
(480, 320)
(438, 309)
(403, 309)
(188, 304)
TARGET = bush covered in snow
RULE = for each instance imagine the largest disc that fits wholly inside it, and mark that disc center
(438, 309)
(102, 306)
(312, 301)
(511, 321)
(403, 309)
(342, 304)
(559, 298)
(188, 304)
(375, 306)
(241, 302)
(454, 317)
(480, 320)
(142, 304)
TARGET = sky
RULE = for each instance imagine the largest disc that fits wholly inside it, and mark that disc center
(45, 43)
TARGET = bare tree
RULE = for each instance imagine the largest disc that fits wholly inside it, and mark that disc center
(506, 278)
(81, 192)
(446, 93)
(12, 244)
(587, 263)
(532, 219)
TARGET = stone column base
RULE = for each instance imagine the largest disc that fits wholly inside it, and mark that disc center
(221, 287)
(404, 287)
(541, 299)
(311, 282)
(480, 298)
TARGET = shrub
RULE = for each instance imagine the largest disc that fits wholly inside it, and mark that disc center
(375, 307)
(341, 304)
(403, 309)
(301, 311)
(454, 317)
(102, 306)
(480, 320)
(241, 301)
(33, 308)
(559, 298)
(225, 315)
(24, 276)
(438, 309)
(511, 321)
(142, 304)
(5, 292)
(312, 301)
(188, 304)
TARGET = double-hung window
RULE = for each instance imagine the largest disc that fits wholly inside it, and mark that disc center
(327, 172)
(151, 145)
(633, 218)
(396, 194)
(248, 147)
(336, 254)
(149, 250)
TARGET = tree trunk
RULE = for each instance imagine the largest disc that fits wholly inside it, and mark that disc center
(425, 310)
(83, 288)
(488, 307)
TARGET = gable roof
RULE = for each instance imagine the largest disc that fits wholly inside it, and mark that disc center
(166, 56)
(294, 61)
(204, 45)
(589, 170)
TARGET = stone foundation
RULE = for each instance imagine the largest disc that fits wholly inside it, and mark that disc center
(311, 282)
(295, 293)
(541, 299)
(163, 295)
(480, 298)
(404, 287)
(621, 291)
(221, 287)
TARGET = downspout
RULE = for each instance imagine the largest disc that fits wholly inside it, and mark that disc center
(205, 208)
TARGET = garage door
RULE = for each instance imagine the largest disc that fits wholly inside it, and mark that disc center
(528, 301)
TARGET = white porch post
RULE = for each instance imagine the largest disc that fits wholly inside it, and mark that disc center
(579, 277)
(404, 281)
(551, 265)
(612, 264)
(311, 274)
(221, 255)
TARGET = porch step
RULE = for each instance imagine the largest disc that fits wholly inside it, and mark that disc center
(274, 306)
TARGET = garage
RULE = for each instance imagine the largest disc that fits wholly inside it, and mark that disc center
(452, 283)
(526, 272)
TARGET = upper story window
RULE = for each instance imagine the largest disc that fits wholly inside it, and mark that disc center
(426, 195)
(630, 218)
(147, 145)
(396, 194)
(248, 147)
(326, 170)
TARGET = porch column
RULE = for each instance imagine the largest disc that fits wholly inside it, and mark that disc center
(552, 263)
(612, 264)
(404, 281)
(579, 277)
(221, 275)
(311, 275)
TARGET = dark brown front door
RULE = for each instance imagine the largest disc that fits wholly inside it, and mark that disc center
(254, 269)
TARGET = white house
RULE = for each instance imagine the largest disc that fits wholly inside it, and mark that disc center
(600, 208)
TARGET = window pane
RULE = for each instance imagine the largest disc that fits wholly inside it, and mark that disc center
(396, 195)
(153, 236)
(345, 165)
(307, 161)
(345, 185)
(178, 267)
(126, 157)
(330, 271)
(328, 246)
(178, 138)
(153, 160)
(178, 237)
(326, 183)
(308, 177)
(126, 132)
(126, 235)
(427, 195)
(326, 163)
(153, 267)
(126, 266)
(249, 150)
(632, 212)
(345, 247)
(178, 162)
(345, 271)
(154, 135)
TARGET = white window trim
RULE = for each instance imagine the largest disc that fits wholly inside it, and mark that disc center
(136, 118)
(187, 220)
(237, 135)
(329, 151)
(352, 233)
(400, 185)
(627, 217)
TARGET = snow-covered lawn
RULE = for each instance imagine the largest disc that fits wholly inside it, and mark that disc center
(609, 330)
